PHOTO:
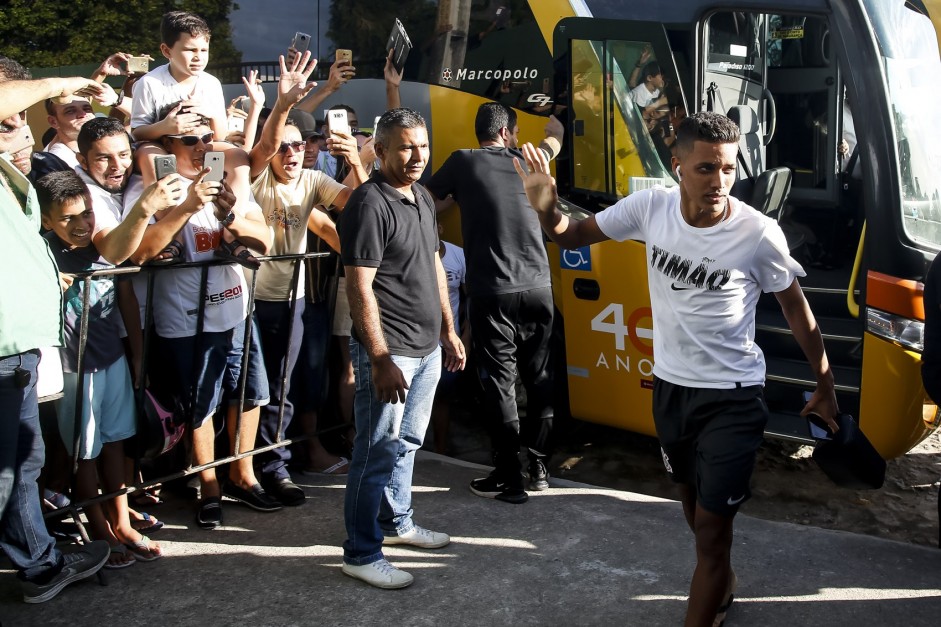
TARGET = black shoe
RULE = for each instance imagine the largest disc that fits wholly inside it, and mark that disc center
(209, 514)
(76, 565)
(286, 492)
(538, 476)
(255, 497)
(493, 488)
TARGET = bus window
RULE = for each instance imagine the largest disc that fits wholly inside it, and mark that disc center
(906, 41)
(803, 78)
(588, 109)
(625, 108)
(475, 47)
(735, 45)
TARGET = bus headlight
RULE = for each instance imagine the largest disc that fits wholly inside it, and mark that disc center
(902, 331)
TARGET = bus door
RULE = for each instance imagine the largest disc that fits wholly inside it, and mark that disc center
(623, 98)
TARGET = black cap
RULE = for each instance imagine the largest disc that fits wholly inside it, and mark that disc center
(304, 122)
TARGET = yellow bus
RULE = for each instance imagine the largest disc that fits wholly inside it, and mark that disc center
(835, 98)
(840, 147)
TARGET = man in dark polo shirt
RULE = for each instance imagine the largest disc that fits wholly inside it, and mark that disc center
(399, 304)
(509, 296)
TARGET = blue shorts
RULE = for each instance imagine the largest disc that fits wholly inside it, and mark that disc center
(219, 365)
(108, 413)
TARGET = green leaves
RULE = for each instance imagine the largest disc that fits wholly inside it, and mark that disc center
(49, 33)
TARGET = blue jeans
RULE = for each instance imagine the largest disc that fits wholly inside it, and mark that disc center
(379, 485)
(23, 535)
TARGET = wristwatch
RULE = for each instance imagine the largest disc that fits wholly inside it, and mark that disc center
(229, 219)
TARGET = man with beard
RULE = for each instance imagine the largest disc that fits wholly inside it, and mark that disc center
(105, 164)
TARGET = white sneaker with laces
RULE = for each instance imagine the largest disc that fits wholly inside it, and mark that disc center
(420, 537)
(380, 574)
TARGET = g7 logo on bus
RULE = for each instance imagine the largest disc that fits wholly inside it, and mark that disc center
(539, 99)
(611, 320)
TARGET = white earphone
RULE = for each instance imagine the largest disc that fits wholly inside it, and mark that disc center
(679, 176)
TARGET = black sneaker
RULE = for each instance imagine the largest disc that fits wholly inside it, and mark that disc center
(76, 565)
(538, 476)
(255, 497)
(493, 488)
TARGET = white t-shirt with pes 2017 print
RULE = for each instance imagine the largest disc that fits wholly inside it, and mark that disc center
(704, 285)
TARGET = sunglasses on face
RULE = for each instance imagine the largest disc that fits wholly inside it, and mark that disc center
(192, 140)
(295, 146)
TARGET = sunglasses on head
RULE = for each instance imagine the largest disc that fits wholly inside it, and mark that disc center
(192, 140)
(295, 146)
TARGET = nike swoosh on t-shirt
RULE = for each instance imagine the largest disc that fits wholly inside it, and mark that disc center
(682, 286)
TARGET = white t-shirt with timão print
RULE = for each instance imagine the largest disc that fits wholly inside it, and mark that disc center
(286, 207)
(704, 285)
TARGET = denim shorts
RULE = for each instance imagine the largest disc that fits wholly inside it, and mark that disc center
(216, 369)
(108, 408)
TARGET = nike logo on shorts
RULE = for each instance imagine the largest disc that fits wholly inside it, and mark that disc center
(732, 501)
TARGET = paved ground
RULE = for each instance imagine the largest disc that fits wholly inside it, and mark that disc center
(575, 555)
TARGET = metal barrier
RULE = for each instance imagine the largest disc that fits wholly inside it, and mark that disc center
(75, 507)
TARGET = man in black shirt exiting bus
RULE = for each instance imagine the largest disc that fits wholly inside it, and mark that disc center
(510, 299)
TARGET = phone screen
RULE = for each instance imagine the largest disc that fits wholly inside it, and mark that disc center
(815, 424)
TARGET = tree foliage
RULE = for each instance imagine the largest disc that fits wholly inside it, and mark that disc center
(49, 33)
(363, 26)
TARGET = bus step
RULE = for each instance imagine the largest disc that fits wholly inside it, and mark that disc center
(788, 426)
(842, 338)
(797, 373)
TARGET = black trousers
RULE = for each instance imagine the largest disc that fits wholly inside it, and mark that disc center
(512, 337)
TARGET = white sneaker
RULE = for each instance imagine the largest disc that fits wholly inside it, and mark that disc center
(420, 537)
(381, 574)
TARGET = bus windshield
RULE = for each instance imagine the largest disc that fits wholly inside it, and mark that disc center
(909, 48)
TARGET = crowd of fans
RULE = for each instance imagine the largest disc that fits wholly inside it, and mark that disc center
(104, 201)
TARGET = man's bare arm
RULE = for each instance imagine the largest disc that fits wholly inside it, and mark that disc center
(388, 380)
(544, 197)
(21, 95)
(118, 244)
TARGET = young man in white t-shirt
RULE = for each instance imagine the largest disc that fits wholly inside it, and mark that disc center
(292, 200)
(709, 257)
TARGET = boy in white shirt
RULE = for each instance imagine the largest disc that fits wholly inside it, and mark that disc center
(197, 96)
(185, 43)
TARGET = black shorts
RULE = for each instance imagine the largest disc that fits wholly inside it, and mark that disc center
(709, 439)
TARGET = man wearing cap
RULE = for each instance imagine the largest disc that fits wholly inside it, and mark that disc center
(291, 199)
